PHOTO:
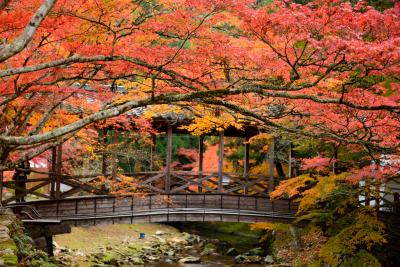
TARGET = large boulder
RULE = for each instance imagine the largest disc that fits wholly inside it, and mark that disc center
(191, 239)
(159, 232)
(190, 259)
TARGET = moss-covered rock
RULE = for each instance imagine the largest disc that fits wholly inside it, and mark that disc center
(8, 248)
(9, 260)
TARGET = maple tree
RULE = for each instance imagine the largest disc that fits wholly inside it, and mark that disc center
(326, 70)
(295, 60)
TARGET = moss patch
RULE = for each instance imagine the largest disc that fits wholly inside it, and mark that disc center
(10, 259)
(8, 244)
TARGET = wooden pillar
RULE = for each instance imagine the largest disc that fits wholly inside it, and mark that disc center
(335, 157)
(53, 171)
(271, 163)
(201, 148)
(221, 162)
(168, 160)
(246, 164)
(290, 160)
(114, 157)
(1, 185)
(49, 244)
(58, 171)
(152, 151)
(104, 155)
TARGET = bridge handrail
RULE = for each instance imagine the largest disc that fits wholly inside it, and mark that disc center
(161, 211)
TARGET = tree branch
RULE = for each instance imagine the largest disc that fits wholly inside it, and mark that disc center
(24, 39)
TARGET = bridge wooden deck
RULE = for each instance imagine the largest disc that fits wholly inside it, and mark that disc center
(93, 210)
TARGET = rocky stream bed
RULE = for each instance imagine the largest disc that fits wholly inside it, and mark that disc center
(162, 248)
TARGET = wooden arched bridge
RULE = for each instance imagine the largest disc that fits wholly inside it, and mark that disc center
(92, 210)
(192, 197)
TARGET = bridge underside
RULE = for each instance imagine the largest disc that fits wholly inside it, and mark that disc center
(159, 208)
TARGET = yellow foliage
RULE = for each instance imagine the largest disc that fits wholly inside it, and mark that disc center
(292, 187)
(159, 110)
(270, 226)
(263, 139)
(261, 168)
(366, 231)
(321, 191)
(209, 123)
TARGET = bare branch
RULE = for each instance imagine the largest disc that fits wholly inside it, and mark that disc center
(24, 39)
